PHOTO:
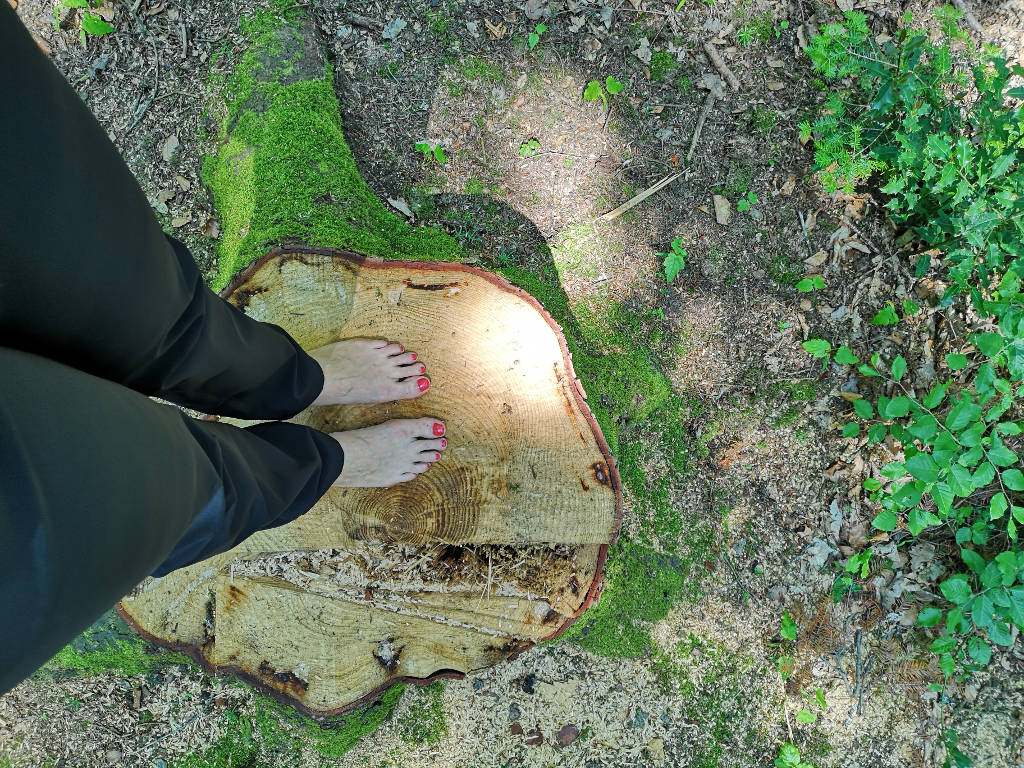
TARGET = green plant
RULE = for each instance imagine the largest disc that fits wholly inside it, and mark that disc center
(675, 260)
(91, 23)
(662, 63)
(431, 152)
(764, 120)
(941, 124)
(594, 91)
(789, 757)
(529, 148)
(744, 203)
(812, 283)
(534, 37)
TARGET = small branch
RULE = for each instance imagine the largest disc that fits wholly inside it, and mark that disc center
(969, 17)
(720, 65)
(639, 198)
(709, 102)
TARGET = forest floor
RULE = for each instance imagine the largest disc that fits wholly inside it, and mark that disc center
(766, 465)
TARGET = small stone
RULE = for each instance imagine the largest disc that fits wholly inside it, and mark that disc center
(171, 145)
(567, 735)
(656, 748)
(516, 729)
(529, 683)
(513, 711)
(534, 738)
(478, 684)
(723, 209)
(113, 756)
(394, 28)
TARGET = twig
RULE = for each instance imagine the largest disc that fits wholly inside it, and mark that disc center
(639, 198)
(184, 41)
(720, 65)
(969, 17)
(807, 237)
(709, 102)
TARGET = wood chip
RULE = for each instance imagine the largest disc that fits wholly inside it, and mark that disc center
(13, 3)
(495, 31)
(723, 209)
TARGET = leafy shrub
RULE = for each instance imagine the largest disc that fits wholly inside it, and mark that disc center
(940, 124)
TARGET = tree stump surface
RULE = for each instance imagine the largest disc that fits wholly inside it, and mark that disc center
(496, 547)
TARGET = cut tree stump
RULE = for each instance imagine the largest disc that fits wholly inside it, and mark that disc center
(496, 547)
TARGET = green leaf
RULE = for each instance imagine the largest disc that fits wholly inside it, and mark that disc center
(1013, 479)
(817, 347)
(613, 85)
(742, 205)
(923, 467)
(805, 285)
(895, 408)
(983, 475)
(845, 356)
(439, 154)
(973, 560)
(886, 316)
(956, 589)
(935, 396)
(871, 484)
(1002, 164)
(876, 433)
(674, 263)
(541, 29)
(1002, 456)
(788, 630)
(885, 520)
(943, 644)
(593, 91)
(862, 407)
(910, 308)
(867, 370)
(997, 506)
(929, 617)
(806, 716)
(979, 650)
(947, 665)
(851, 430)
(94, 25)
(990, 344)
(532, 39)
(943, 496)
(956, 361)
(899, 367)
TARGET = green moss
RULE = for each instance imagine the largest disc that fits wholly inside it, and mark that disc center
(475, 68)
(474, 187)
(110, 645)
(284, 172)
(426, 722)
(662, 64)
(271, 730)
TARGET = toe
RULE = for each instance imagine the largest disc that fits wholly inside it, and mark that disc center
(405, 358)
(414, 385)
(429, 428)
(431, 446)
(392, 349)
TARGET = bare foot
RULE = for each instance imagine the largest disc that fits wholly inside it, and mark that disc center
(389, 453)
(368, 371)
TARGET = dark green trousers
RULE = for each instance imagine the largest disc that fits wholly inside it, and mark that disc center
(99, 485)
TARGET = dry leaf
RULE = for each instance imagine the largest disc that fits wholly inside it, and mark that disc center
(495, 32)
(184, 183)
(212, 228)
(171, 145)
(775, 85)
(180, 221)
(535, 9)
(402, 206)
(788, 186)
(775, 63)
(816, 260)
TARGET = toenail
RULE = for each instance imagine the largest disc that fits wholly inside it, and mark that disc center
(444, 443)
(423, 383)
(413, 355)
(437, 457)
(401, 348)
(438, 428)
(423, 369)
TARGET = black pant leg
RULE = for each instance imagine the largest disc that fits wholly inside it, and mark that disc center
(98, 484)
(87, 276)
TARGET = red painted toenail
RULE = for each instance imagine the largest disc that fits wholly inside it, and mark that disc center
(423, 384)
(444, 443)
(413, 355)
(423, 369)
(401, 348)
(437, 457)
(438, 428)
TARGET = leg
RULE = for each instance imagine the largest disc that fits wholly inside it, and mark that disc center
(98, 484)
(88, 278)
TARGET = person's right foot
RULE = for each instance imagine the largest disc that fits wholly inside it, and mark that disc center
(389, 453)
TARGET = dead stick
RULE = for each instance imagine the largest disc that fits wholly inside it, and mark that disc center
(639, 198)
(720, 65)
(708, 103)
(969, 16)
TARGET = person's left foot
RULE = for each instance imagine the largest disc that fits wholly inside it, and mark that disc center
(368, 371)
